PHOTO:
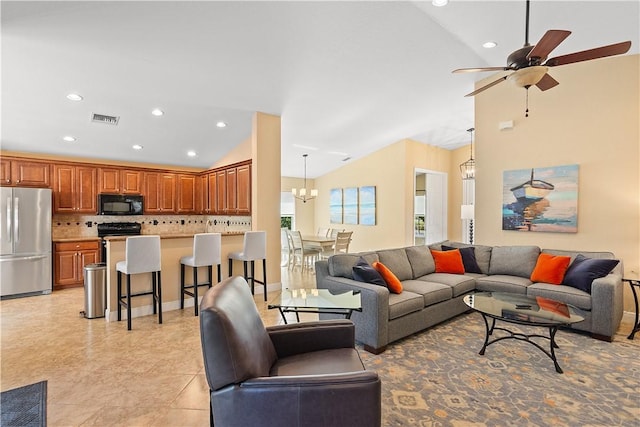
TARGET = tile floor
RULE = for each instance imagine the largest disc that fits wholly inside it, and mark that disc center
(98, 373)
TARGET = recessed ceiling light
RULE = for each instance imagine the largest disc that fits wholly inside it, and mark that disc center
(489, 45)
(191, 153)
(74, 97)
(157, 112)
(221, 124)
(137, 147)
(439, 3)
(69, 138)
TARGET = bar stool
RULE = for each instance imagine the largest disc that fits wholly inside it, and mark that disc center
(254, 248)
(206, 253)
(142, 255)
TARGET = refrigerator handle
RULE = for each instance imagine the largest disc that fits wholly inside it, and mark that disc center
(16, 221)
(9, 227)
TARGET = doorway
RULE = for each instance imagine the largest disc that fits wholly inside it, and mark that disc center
(429, 207)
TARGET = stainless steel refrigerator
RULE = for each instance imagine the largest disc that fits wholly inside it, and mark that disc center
(25, 233)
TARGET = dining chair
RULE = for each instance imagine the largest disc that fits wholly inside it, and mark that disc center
(322, 232)
(334, 232)
(285, 248)
(305, 255)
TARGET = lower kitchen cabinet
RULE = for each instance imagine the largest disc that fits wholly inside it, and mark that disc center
(69, 261)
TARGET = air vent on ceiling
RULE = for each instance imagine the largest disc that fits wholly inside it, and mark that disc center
(101, 118)
(346, 159)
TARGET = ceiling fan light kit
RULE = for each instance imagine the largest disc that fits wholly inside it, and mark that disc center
(530, 66)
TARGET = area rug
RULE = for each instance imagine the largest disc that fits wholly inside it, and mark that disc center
(437, 378)
(24, 406)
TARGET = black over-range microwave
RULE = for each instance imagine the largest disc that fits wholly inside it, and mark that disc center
(119, 204)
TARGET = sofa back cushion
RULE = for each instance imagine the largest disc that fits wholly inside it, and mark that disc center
(421, 260)
(514, 260)
(396, 260)
(341, 265)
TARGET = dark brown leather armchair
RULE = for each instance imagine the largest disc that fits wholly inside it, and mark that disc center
(305, 374)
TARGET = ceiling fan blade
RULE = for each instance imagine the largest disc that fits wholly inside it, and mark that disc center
(475, 70)
(547, 43)
(485, 87)
(586, 55)
(547, 82)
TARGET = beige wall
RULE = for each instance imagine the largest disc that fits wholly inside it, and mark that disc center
(304, 219)
(394, 191)
(239, 153)
(590, 119)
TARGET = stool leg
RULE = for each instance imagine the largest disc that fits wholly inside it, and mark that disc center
(230, 267)
(128, 302)
(154, 291)
(119, 296)
(195, 290)
(219, 273)
(264, 277)
(182, 286)
(253, 275)
(210, 274)
(159, 296)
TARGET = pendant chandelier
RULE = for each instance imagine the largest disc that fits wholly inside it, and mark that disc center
(468, 168)
(301, 194)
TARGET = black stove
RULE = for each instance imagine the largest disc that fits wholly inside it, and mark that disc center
(117, 229)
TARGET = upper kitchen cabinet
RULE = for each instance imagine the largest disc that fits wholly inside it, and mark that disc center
(74, 189)
(159, 193)
(243, 190)
(119, 181)
(25, 173)
(188, 185)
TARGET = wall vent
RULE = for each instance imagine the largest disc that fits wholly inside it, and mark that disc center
(102, 118)
(346, 159)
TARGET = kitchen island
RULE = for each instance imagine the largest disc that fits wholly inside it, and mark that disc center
(173, 247)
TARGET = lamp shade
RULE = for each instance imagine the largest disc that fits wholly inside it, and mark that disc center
(467, 212)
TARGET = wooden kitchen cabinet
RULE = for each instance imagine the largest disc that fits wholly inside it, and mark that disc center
(69, 261)
(243, 190)
(159, 193)
(187, 186)
(74, 189)
(231, 193)
(221, 193)
(119, 181)
(25, 173)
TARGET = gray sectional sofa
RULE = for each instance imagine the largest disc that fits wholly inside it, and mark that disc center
(429, 298)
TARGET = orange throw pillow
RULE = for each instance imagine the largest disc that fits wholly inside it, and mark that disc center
(393, 283)
(448, 261)
(550, 268)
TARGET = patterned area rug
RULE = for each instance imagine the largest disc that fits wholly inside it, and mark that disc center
(437, 378)
(24, 406)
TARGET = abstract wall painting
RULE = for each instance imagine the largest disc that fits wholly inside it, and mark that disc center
(367, 206)
(541, 199)
(335, 206)
(350, 205)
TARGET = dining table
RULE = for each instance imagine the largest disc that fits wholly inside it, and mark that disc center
(323, 243)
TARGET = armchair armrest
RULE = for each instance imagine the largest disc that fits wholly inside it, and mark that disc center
(312, 380)
(312, 336)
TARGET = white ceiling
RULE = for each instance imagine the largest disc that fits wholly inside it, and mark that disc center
(347, 78)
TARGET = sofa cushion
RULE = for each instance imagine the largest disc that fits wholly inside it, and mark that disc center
(503, 283)
(393, 283)
(364, 272)
(459, 283)
(396, 260)
(550, 268)
(404, 303)
(468, 258)
(432, 292)
(513, 260)
(341, 265)
(482, 253)
(448, 261)
(562, 293)
(421, 260)
(583, 271)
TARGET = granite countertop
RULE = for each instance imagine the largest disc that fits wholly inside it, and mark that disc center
(175, 236)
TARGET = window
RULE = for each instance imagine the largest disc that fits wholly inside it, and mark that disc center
(287, 210)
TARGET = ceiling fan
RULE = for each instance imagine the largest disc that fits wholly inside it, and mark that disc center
(528, 63)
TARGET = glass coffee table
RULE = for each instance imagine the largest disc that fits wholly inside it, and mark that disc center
(523, 310)
(316, 301)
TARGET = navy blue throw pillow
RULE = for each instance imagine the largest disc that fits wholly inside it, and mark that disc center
(364, 272)
(468, 258)
(583, 271)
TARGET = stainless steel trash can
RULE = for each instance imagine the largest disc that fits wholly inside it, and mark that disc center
(95, 290)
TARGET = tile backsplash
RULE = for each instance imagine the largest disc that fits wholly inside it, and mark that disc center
(71, 226)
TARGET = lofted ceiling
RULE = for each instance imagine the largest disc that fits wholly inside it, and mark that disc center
(347, 78)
